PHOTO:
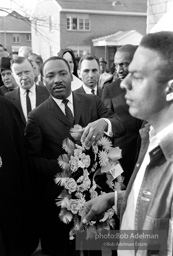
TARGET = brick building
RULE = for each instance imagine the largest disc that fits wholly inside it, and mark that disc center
(15, 31)
(66, 23)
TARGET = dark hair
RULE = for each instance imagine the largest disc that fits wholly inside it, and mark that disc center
(54, 58)
(162, 44)
(129, 48)
(61, 54)
(88, 57)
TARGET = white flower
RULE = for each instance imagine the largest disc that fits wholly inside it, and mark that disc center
(68, 146)
(85, 173)
(103, 158)
(75, 205)
(66, 217)
(81, 178)
(106, 143)
(73, 163)
(63, 161)
(65, 202)
(76, 132)
(71, 185)
(79, 195)
(78, 152)
(60, 180)
(86, 160)
(115, 154)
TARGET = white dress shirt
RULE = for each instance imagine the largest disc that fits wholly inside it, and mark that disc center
(62, 105)
(88, 90)
(32, 96)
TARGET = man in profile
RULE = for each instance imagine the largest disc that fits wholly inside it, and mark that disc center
(147, 203)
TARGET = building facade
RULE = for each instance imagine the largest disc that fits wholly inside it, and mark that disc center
(74, 24)
(15, 31)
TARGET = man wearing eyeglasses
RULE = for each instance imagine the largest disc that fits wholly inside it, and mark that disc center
(113, 97)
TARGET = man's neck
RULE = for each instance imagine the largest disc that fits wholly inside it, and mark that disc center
(162, 119)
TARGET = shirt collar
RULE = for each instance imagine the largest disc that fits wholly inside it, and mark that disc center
(164, 139)
(88, 90)
(32, 89)
(59, 101)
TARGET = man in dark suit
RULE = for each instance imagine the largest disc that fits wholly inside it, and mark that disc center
(14, 184)
(24, 75)
(113, 97)
(47, 127)
(89, 73)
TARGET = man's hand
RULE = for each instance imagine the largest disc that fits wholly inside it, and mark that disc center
(93, 132)
(95, 208)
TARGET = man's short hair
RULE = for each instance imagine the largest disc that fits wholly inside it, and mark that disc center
(162, 43)
(20, 60)
(129, 48)
(87, 57)
(54, 58)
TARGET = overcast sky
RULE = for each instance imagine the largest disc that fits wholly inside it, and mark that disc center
(27, 5)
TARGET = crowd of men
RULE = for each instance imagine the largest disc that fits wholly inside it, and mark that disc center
(41, 101)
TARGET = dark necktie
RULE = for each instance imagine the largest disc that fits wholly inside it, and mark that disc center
(68, 112)
(28, 102)
(93, 91)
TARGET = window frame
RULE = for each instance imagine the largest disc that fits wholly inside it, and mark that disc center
(83, 22)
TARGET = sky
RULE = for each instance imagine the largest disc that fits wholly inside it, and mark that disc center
(18, 5)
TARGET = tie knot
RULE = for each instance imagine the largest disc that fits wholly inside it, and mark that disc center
(93, 91)
(27, 91)
(65, 101)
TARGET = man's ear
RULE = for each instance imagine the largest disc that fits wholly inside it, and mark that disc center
(169, 91)
(79, 74)
(71, 77)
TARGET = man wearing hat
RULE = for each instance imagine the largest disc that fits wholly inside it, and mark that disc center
(7, 76)
(104, 75)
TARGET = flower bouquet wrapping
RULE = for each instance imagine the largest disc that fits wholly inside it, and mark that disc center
(86, 173)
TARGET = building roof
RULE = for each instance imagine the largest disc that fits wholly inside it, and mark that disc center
(119, 38)
(139, 6)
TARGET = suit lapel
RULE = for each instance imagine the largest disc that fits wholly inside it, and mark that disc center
(17, 103)
(56, 111)
(99, 92)
(39, 95)
(77, 108)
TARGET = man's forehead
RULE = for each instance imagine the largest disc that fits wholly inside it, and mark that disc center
(57, 64)
(89, 64)
(144, 59)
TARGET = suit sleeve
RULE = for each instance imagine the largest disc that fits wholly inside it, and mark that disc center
(34, 144)
(106, 97)
(118, 126)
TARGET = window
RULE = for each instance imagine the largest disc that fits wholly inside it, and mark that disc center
(16, 39)
(78, 22)
(28, 37)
